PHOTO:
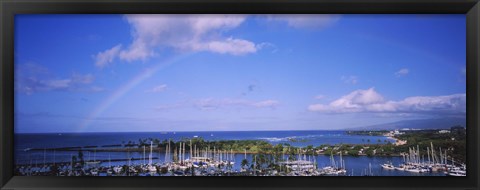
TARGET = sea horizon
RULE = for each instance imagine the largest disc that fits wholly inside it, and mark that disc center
(196, 131)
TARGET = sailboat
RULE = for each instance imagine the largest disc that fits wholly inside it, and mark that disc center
(109, 170)
(457, 171)
(232, 157)
(151, 168)
(388, 166)
(94, 162)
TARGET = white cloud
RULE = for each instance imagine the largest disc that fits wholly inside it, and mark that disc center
(266, 103)
(182, 33)
(228, 46)
(75, 83)
(106, 57)
(464, 71)
(267, 45)
(402, 72)
(319, 97)
(306, 20)
(83, 79)
(57, 84)
(33, 78)
(214, 104)
(371, 101)
(138, 50)
(349, 79)
(159, 88)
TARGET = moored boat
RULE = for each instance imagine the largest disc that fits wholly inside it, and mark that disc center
(388, 166)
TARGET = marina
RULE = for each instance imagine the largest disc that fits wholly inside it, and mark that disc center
(186, 159)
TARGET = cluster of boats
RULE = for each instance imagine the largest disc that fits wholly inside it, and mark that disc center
(414, 163)
(449, 170)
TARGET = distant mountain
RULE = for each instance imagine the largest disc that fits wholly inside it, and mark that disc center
(440, 123)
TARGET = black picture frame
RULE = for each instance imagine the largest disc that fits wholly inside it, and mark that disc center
(9, 8)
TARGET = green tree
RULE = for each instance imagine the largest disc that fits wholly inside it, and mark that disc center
(244, 163)
(353, 153)
(369, 152)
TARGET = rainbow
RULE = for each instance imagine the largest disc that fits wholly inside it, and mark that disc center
(120, 92)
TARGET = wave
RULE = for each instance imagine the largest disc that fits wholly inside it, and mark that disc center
(289, 138)
(273, 139)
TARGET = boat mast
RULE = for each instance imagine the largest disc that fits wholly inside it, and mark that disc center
(245, 154)
(446, 161)
(169, 149)
(150, 156)
(54, 160)
(144, 155)
(255, 165)
(441, 156)
(370, 168)
(433, 153)
(418, 151)
(428, 155)
(44, 157)
(180, 153)
(166, 152)
(341, 160)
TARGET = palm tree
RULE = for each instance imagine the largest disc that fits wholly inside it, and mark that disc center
(244, 163)
(126, 169)
(74, 160)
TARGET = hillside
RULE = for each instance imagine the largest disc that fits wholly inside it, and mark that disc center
(440, 123)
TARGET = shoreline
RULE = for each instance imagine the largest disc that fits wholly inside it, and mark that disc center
(397, 142)
(156, 158)
(162, 150)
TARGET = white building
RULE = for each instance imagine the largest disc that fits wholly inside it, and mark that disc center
(443, 131)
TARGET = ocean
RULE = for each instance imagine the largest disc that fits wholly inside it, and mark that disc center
(295, 138)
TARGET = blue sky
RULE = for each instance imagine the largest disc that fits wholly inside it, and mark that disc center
(90, 73)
